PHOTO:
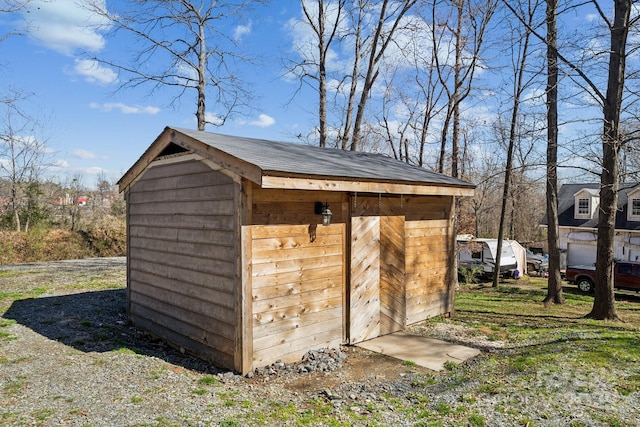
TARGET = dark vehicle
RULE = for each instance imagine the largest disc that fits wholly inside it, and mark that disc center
(626, 276)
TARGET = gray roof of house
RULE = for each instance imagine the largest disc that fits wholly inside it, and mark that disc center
(566, 207)
(298, 159)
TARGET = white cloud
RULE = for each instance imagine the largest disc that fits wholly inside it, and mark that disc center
(124, 108)
(213, 119)
(65, 26)
(241, 31)
(83, 154)
(93, 72)
(264, 121)
(60, 164)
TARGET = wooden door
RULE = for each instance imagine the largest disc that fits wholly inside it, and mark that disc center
(377, 282)
(364, 307)
(393, 306)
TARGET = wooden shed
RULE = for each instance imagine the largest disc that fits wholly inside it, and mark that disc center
(229, 260)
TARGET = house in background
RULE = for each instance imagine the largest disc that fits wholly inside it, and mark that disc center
(578, 220)
(245, 251)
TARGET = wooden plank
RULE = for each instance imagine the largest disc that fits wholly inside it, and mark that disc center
(223, 297)
(201, 222)
(426, 224)
(305, 301)
(365, 277)
(164, 179)
(306, 253)
(275, 314)
(181, 307)
(178, 273)
(210, 207)
(224, 238)
(316, 183)
(199, 250)
(437, 242)
(268, 195)
(299, 276)
(213, 353)
(182, 165)
(286, 230)
(295, 265)
(300, 336)
(204, 265)
(243, 353)
(195, 331)
(211, 192)
(296, 242)
(292, 290)
(273, 325)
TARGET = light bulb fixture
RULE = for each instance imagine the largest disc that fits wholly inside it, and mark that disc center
(323, 209)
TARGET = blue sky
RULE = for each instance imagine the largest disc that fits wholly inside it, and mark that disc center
(93, 129)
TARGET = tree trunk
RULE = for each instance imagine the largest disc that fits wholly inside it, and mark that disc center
(455, 134)
(554, 283)
(513, 129)
(202, 83)
(604, 301)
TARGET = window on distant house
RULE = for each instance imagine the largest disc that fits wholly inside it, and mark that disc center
(635, 207)
(583, 207)
(635, 210)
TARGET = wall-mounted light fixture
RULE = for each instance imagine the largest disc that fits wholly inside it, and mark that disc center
(323, 209)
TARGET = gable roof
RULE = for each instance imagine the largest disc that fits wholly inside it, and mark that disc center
(274, 164)
(566, 206)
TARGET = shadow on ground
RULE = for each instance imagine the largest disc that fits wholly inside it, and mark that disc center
(96, 322)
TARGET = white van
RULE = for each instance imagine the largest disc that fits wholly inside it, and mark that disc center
(482, 253)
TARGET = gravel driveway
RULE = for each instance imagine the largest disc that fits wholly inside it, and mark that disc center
(68, 357)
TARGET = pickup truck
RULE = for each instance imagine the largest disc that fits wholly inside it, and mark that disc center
(626, 276)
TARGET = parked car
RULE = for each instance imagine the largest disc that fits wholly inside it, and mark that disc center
(536, 263)
(626, 276)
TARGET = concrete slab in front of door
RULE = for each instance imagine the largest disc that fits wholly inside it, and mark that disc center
(427, 352)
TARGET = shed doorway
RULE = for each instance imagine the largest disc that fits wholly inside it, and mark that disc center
(377, 281)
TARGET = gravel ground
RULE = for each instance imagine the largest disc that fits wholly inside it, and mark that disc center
(68, 357)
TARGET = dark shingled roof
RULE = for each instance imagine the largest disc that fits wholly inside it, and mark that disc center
(288, 158)
(566, 210)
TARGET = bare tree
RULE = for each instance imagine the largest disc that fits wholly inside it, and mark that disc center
(604, 301)
(520, 58)
(22, 155)
(461, 33)
(192, 53)
(325, 33)
(611, 101)
(367, 30)
(11, 6)
(383, 35)
(554, 283)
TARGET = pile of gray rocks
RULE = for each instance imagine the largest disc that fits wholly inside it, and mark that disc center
(322, 360)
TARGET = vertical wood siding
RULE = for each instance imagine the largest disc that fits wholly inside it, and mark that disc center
(393, 299)
(365, 278)
(297, 275)
(182, 260)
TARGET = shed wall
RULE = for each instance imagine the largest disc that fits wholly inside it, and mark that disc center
(182, 262)
(298, 274)
(429, 252)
